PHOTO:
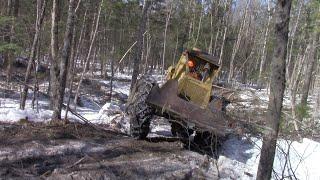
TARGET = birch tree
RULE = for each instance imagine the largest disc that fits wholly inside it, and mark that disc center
(238, 41)
(292, 37)
(165, 34)
(227, 8)
(263, 55)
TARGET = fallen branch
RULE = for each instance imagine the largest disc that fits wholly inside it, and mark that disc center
(125, 54)
(78, 162)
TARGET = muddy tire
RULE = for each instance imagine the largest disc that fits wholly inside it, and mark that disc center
(139, 112)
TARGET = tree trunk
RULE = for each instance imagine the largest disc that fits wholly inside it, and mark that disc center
(112, 72)
(148, 48)
(54, 68)
(66, 51)
(214, 25)
(293, 86)
(277, 86)
(165, 37)
(89, 53)
(199, 27)
(13, 10)
(39, 20)
(264, 47)
(141, 29)
(237, 43)
(316, 108)
(227, 7)
(36, 83)
(72, 63)
(92, 36)
(291, 41)
(311, 61)
(71, 74)
(211, 31)
(80, 42)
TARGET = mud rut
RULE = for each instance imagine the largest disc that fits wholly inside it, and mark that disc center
(76, 151)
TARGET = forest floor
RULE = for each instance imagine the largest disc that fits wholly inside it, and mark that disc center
(31, 147)
(74, 151)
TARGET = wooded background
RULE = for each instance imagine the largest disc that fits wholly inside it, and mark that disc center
(106, 36)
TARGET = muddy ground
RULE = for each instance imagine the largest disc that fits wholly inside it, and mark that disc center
(79, 151)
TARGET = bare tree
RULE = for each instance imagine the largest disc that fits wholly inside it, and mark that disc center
(293, 85)
(62, 74)
(138, 54)
(277, 87)
(13, 11)
(54, 68)
(199, 26)
(227, 8)
(311, 62)
(165, 35)
(263, 55)
(237, 43)
(93, 34)
(71, 69)
(292, 34)
(214, 25)
(41, 6)
(112, 72)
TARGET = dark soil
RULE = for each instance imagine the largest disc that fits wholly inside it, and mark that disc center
(79, 151)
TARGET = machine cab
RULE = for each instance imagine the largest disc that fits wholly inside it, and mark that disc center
(195, 73)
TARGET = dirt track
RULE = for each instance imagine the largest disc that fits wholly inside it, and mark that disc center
(76, 151)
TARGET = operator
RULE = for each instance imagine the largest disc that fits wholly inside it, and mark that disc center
(205, 72)
(192, 69)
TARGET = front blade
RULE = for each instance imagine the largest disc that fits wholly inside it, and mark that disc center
(166, 101)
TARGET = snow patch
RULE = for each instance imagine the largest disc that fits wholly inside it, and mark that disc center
(112, 114)
(240, 159)
(15, 115)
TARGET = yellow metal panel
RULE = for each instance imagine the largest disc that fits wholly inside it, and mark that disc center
(194, 90)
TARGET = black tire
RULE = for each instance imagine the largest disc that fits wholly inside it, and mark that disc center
(141, 130)
(140, 113)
